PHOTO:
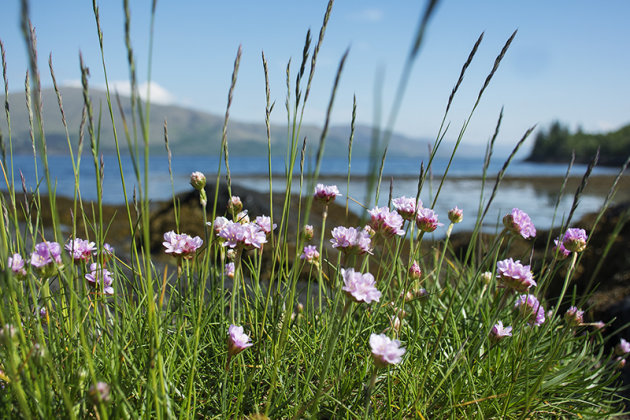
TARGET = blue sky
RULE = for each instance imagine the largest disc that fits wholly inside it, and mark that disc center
(570, 59)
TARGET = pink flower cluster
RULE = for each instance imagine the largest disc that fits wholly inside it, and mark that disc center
(574, 317)
(427, 220)
(406, 206)
(574, 239)
(326, 193)
(514, 275)
(530, 309)
(385, 221)
(518, 222)
(81, 249)
(360, 287)
(237, 340)
(16, 264)
(498, 332)
(181, 244)
(351, 240)
(100, 277)
(310, 254)
(385, 351)
(245, 235)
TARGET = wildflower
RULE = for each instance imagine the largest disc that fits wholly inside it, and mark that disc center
(219, 223)
(235, 205)
(198, 180)
(530, 309)
(360, 287)
(456, 215)
(45, 256)
(486, 277)
(181, 245)
(80, 249)
(310, 254)
(427, 220)
(386, 221)
(622, 348)
(414, 271)
(395, 323)
(237, 340)
(420, 293)
(99, 392)
(498, 332)
(229, 270)
(326, 193)
(406, 206)
(231, 254)
(600, 325)
(514, 275)
(574, 239)
(264, 223)
(620, 362)
(351, 240)
(242, 218)
(385, 351)
(517, 221)
(559, 250)
(108, 252)
(308, 232)
(16, 264)
(100, 276)
(574, 317)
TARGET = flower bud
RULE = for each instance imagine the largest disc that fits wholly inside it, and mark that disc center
(99, 392)
(308, 232)
(414, 271)
(198, 180)
(456, 215)
(235, 205)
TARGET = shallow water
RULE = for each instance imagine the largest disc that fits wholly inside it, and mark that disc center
(462, 188)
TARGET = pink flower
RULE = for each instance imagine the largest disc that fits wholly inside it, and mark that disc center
(530, 309)
(229, 270)
(427, 220)
(181, 245)
(308, 232)
(235, 205)
(310, 254)
(248, 235)
(622, 348)
(101, 275)
(351, 240)
(386, 221)
(237, 340)
(16, 264)
(45, 257)
(456, 215)
(559, 250)
(219, 223)
(498, 332)
(385, 351)
(514, 275)
(81, 249)
(360, 287)
(264, 223)
(326, 193)
(574, 317)
(414, 271)
(517, 221)
(575, 239)
(406, 206)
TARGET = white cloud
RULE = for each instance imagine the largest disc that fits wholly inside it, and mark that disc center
(159, 95)
(370, 14)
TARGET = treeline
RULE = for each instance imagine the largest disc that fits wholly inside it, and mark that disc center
(557, 143)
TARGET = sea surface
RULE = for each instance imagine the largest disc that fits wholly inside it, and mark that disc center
(462, 188)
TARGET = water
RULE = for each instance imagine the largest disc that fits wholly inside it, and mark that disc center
(462, 188)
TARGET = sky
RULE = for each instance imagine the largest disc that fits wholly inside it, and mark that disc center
(570, 59)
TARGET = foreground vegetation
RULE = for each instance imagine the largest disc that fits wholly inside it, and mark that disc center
(372, 333)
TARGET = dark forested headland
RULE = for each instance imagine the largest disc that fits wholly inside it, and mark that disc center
(557, 143)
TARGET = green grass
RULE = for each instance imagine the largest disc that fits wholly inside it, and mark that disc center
(160, 342)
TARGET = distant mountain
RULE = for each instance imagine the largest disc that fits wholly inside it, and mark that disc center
(189, 131)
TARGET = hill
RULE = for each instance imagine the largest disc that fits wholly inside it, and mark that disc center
(556, 145)
(190, 131)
